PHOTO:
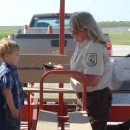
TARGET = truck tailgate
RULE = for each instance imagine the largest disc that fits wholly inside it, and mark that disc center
(44, 43)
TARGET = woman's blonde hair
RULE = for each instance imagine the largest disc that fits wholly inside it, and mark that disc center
(7, 46)
(84, 21)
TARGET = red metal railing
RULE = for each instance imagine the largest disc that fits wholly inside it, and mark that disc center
(66, 72)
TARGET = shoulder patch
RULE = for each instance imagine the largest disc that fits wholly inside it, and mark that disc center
(91, 59)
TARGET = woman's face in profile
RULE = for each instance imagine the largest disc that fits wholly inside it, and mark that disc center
(79, 36)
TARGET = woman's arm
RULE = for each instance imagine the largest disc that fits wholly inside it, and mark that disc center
(92, 80)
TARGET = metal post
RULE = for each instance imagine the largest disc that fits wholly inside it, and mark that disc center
(61, 35)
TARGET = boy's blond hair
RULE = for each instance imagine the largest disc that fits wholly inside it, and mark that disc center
(7, 46)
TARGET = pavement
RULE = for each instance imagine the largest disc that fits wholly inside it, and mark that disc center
(121, 50)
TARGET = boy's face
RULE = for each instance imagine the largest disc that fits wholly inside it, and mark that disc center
(13, 58)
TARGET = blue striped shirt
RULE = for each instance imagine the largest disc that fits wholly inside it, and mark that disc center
(9, 79)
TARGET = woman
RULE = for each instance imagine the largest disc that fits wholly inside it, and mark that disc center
(91, 59)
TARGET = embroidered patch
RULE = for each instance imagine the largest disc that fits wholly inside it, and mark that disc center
(91, 59)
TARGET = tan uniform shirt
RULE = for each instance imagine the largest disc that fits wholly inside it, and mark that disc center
(92, 59)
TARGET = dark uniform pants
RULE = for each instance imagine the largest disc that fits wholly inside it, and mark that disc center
(98, 106)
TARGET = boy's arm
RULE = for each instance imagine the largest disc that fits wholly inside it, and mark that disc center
(9, 100)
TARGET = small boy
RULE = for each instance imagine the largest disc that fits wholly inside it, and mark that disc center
(10, 85)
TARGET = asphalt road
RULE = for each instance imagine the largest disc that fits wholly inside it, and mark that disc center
(120, 50)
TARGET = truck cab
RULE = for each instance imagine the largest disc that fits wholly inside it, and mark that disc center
(43, 20)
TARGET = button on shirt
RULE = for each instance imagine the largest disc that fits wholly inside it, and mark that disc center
(91, 59)
(9, 79)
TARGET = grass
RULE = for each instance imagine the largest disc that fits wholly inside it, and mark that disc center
(5, 32)
(116, 38)
(120, 39)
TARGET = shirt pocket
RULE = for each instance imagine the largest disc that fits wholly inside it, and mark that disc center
(77, 64)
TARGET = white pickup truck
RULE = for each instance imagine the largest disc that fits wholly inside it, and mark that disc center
(37, 41)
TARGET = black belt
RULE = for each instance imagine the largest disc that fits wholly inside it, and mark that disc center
(79, 94)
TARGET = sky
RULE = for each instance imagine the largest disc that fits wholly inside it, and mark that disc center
(19, 12)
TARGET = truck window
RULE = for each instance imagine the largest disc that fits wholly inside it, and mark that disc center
(50, 20)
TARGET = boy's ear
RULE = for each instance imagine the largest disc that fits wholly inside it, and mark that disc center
(6, 55)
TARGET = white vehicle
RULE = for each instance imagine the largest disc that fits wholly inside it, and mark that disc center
(120, 67)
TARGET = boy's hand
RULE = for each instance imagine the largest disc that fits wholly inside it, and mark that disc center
(15, 113)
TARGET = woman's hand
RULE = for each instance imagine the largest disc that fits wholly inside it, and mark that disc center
(59, 67)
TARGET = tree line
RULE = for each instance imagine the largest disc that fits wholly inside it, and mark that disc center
(104, 24)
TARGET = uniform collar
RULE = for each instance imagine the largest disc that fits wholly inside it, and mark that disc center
(11, 67)
(83, 44)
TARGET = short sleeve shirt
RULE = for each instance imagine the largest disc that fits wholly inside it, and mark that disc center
(91, 59)
(9, 79)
